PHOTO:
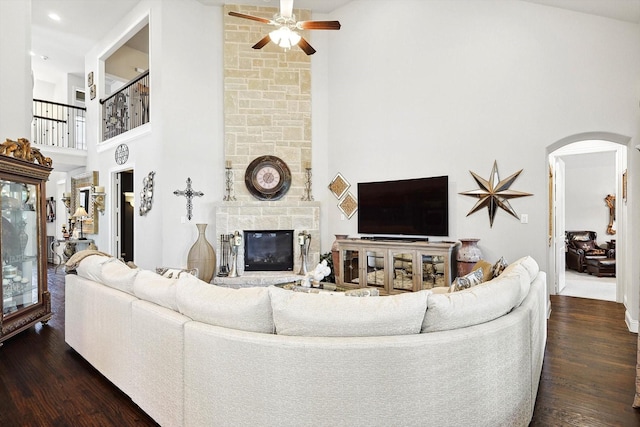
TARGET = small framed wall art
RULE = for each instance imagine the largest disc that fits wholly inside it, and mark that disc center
(339, 186)
(348, 205)
(90, 79)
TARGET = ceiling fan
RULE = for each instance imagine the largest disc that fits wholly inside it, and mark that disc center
(286, 34)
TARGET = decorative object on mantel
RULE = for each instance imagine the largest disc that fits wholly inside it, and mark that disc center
(146, 196)
(335, 253)
(304, 241)
(468, 255)
(228, 182)
(225, 254)
(494, 193)
(307, 197)
(286, 34)
(236, 242)
(189, 193)
(610, 200)
(268, 178)
(202, 256)
(339, 186)
(22, 149)
(348, 205)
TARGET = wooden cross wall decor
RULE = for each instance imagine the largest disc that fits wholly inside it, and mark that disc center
(189, 193)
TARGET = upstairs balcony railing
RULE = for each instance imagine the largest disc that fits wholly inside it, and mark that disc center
(58, 125)
(126, 109)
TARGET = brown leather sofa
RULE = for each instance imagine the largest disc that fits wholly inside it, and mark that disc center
(582, 246)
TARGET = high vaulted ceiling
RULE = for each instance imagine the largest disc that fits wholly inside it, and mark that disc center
(84, 22)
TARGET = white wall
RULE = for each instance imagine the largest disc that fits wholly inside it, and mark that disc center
(15, 69)
(443, 88)
(589, 178)
(185, 136)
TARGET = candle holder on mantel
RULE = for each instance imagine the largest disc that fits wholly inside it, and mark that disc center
(307, 197)
(304, 240)
(228, 179)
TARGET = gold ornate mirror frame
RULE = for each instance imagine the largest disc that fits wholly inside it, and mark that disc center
(81, 196)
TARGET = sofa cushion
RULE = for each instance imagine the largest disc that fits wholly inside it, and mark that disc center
(528, 263)
(91, 267)
(475, 305)
(323, 315)
(246, 309)
(109, 271)
(152, 287)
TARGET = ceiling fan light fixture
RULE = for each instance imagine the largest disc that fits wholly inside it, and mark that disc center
(284, 37)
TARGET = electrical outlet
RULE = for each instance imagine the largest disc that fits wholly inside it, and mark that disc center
(524, 218)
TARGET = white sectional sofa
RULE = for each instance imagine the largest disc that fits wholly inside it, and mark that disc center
(194, 354)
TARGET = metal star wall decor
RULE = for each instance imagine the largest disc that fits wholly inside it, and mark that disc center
(494, 193)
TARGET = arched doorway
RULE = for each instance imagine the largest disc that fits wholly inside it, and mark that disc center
(586, 143)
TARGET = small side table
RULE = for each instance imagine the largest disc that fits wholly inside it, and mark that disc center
(70, 248)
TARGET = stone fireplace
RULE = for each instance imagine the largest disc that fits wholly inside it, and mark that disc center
(267, 111)
(298, 216)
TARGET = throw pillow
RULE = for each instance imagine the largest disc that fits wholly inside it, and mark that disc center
(499, 267)
(156, 289)
(174, 273)
(486, 267)
(465, 282)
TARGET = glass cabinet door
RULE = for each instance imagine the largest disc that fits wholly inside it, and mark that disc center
(375, 269)
(402, 272)
(350, 266)
(20, 246)
(433, 271)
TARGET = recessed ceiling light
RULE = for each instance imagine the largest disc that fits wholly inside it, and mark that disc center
(54, 16)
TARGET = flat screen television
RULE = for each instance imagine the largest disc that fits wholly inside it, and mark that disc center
(409, 207)
(268, 250)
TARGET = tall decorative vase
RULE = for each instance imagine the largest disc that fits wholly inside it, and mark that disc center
(468, 254)
(335, 254)
(202, 256)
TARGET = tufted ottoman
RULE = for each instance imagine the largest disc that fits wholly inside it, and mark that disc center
(602, 267)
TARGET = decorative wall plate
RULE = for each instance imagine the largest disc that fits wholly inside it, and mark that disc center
(122, 154)
(268, 178)
(339, 186)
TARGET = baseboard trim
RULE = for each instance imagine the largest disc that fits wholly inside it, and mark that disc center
(632, 324)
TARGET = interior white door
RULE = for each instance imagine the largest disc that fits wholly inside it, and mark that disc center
(559, 224)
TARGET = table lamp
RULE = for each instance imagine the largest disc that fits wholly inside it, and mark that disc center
(81, 214)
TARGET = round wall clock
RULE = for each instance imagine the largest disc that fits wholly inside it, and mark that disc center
(122, 154)
(268, 178)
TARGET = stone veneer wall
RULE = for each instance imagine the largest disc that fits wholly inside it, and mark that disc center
(267, 100)
(267, 111)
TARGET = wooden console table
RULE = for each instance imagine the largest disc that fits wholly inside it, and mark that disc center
(395, 266)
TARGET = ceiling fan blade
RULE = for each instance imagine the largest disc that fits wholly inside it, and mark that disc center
(251, 17)
(286, 8)
(306, 47)
(318, 25)
(262, 43)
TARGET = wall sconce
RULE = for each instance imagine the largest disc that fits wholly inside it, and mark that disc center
(129, 197)
(97, 194)
(66, 199)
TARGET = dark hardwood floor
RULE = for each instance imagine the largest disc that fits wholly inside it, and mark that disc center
(587, 380)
